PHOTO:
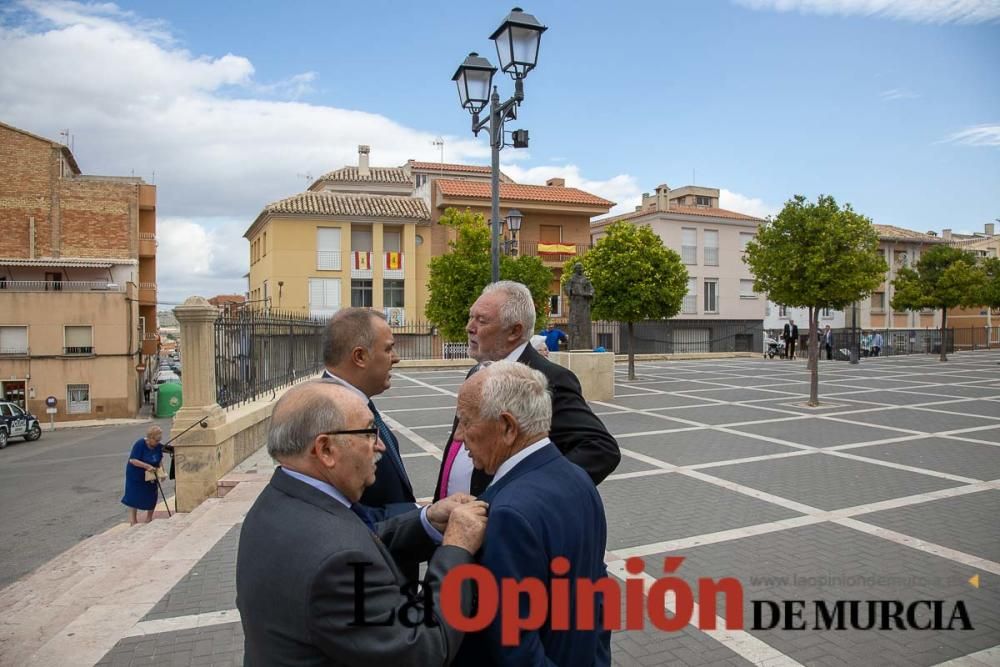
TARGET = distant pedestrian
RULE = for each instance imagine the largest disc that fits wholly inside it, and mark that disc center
(146, 454)
(554, 336)
(828, 342)
(876, 344)
(147, 390)
(791, 336)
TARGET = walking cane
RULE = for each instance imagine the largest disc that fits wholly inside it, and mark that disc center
(169, 449)
(164, 496)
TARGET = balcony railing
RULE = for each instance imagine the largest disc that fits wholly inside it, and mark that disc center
(711, 256)
(552, 252)
(328, 260)
(392, 265)
(13, 351)
(78, 350)
(59, 286)
(689, 254)
(147, 244)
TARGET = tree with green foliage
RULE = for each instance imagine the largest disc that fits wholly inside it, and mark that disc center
(458, 277)
(990, 293)
(635, 278)
(816, 256)
(944, 277)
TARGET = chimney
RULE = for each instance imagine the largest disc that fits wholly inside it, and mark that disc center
(946, 234)
(990, 229)
(645, 201)
(556, 182)
(363, 151)
(663, 197)
(931, 232)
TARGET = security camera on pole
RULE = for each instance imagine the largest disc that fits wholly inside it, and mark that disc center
(517, 41)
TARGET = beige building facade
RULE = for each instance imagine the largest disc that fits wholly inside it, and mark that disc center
(77, 282)
(984, 244)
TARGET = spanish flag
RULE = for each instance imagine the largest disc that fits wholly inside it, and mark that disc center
(556, 249)
(362, 260)
(393, 261)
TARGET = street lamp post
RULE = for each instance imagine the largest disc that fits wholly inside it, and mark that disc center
(516, 41)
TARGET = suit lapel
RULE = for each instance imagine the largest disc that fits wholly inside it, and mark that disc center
(392, 445)
(536, 460)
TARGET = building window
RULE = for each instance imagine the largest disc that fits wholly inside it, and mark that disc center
(419, 180)
(782, 311)
(702, 201)
(712, 295)
(361, 238)
(689, 245)
(78, 398)
(745, 238)
(549, 233)
(392, 294)
(392, 241)
(878, 302)
(78, 339)
(901, 258)
(263, 246)
(711, 247)
(324, 296)
(328, 249)
(746, 289)
(361, 294)
(690, 304)
(13, 340)
(555, 305)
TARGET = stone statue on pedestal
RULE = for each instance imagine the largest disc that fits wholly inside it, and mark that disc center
(581, 293)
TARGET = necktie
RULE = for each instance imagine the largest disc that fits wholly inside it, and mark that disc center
(391, 444)
(364, 514)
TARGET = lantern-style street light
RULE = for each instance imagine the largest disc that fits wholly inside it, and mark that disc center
(513, 222)
(516, 41)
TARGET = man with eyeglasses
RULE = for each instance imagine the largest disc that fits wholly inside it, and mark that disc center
(306, 538)
(358, 354)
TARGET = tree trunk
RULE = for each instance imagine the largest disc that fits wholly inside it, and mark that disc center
(813, 358)
(631, 351)
(944, 333)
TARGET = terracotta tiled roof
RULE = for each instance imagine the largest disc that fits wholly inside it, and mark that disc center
(515, 192)
(444, 166)
(681, 210)
(375, 175)
(893, 233)
(331, 203)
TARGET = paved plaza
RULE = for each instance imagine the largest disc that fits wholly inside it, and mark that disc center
(889, 491)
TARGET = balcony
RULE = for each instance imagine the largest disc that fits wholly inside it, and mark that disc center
(59, 286)
(79, 351)
(150, 343)
(553, 252)
(711, 256)
(147, 244)
(328, 260)
(392, 266)
(361, 264)
(147, 294)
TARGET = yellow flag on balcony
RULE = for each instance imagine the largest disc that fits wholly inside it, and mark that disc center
(362, 260)
(393, 261)
(556, 249)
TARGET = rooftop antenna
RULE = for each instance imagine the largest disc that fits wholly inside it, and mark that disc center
(439, 142)
(68, 138)
(308, 176)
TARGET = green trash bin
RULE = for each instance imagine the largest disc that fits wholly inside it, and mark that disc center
(168, 399)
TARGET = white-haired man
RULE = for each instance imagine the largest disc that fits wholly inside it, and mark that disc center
(315, 576)
(501, 322)
(541, 507)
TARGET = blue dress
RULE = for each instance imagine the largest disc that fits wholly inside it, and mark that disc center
(139, 493)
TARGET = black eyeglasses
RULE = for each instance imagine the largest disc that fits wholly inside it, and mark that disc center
(371, 432)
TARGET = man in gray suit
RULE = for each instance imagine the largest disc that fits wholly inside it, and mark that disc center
(312, 563)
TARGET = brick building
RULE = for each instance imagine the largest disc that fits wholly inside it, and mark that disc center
(77, 282)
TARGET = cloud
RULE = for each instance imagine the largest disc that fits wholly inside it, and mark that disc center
(621, 189)
(919, 11)
(977, 135)
(734, 201)
(898, 94)
(205, 256)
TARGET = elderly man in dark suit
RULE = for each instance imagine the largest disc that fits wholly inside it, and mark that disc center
(501, 322)
(541, 507)
(358, 354)
(306, 537)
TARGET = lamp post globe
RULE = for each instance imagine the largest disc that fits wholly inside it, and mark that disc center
(517, 40)
(474, 78)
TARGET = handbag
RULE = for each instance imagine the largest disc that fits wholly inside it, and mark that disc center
(155, 474)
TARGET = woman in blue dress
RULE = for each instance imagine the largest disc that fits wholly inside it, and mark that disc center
(147, 452)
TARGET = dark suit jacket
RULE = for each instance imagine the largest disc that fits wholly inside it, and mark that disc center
(392, 492)
(295, 587)
(576, 430)
(543, 508)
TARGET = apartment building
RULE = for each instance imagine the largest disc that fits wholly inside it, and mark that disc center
(710, 240)
(77, 282)
(363, 235)
(984, 244)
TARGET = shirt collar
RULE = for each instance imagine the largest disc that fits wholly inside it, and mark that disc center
(319, 485)
(512, 462)
(516, 353)
(344, 383)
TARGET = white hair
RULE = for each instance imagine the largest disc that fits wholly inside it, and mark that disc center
(519, 390)
(517, 307)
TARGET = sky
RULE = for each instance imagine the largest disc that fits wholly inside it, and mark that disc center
(891, 106)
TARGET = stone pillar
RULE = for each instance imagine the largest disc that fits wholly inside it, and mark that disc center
(198, 455)
(595, 370)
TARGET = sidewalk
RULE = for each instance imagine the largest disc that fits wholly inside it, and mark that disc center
(125, 582)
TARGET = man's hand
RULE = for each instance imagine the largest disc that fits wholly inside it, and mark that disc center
(467, 526)
(439, 512)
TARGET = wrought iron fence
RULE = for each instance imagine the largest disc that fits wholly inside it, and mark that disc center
(680, 336)
(894, 342)
(258, 351)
